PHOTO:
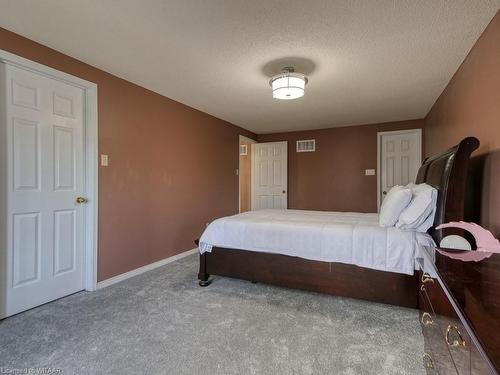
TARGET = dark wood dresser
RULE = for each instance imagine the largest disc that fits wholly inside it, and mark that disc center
(460, 314)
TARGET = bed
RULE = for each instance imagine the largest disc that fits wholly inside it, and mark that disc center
(345, 254)
(334, 237)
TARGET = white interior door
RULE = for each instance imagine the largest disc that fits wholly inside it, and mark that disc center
(43, 123)
(400, 157)
(269, 175)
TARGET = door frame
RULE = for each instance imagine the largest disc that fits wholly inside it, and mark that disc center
(242, 138)
(90, 124)
(379, 156)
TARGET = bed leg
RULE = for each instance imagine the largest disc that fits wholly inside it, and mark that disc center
(204, 283)
(203, 276)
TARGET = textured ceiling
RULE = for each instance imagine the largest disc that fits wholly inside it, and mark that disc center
(367, 61)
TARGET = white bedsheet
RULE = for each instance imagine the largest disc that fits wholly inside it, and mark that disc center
(344, 237)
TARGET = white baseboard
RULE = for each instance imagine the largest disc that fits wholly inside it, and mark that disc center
(146, 268)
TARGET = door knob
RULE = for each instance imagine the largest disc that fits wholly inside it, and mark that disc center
(284, 191)
(81, 200)
(384, 192)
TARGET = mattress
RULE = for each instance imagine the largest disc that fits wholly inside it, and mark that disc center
(343, 237)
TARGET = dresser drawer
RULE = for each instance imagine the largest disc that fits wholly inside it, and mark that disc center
(452, 331)
(437, 358)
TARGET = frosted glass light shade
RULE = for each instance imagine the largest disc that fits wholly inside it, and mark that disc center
(288, 85)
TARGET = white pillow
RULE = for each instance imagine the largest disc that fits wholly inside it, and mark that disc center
(395, 202)
(419, 215)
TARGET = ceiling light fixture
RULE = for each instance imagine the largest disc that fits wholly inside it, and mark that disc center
(288, 84)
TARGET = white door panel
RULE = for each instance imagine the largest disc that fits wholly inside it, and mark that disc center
(269, 175)
(26, 249)
(45, 173)
(400, 157)
(64, 241)
(25, 154)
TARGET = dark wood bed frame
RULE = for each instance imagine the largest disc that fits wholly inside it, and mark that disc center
(447, 172)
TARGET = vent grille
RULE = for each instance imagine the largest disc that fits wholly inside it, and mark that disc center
(306, 145)
(243, 150)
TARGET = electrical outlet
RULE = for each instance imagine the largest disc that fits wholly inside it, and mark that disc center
(369, 172)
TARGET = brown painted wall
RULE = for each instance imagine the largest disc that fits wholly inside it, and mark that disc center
(246, 178)
(172, 168)
(470, 106)
(332, 178)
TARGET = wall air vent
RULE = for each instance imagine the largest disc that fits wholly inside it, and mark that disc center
(243, 150)
(306, 145)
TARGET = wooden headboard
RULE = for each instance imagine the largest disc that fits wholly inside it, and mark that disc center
(447, 172)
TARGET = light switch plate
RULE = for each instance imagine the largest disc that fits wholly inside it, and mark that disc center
(369, 172)
(104, 160)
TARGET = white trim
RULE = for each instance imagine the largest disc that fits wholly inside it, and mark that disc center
(21, 62)
(3, 199)
(91, 154)
(143, 269)
(241, 138)
(92, 188)
(379, 139)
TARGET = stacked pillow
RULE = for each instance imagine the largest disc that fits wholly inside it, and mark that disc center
(419, 215)
(410, 207)
(397, 199)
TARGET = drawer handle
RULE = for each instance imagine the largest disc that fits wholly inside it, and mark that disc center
(428, 361)
(427, 319)
(426, 278)
(454, 343)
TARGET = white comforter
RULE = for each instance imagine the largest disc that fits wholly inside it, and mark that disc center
(344, 237)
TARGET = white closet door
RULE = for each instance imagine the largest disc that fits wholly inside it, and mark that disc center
(269, 175)
(400, 158)
(45, 174)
